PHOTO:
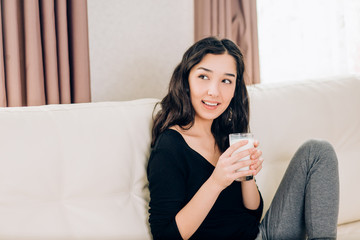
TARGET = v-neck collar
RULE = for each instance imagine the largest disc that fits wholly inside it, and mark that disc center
(191, 149)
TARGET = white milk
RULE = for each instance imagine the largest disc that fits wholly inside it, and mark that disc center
(236, 137)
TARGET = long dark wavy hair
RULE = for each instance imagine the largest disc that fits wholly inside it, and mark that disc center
(176, 107)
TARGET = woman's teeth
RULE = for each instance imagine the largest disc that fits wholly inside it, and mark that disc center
(210, 104)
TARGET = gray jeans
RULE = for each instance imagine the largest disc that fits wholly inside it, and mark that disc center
(306, 203)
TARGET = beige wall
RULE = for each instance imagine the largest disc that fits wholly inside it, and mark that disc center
(135, 45)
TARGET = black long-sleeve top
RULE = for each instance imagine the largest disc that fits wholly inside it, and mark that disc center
(175, 173)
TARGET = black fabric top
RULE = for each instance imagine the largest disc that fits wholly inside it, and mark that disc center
(175, 173)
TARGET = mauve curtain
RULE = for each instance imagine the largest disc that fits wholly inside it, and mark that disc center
(235, 20)
(44, 52)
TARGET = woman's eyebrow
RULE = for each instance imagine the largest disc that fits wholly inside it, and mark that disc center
(208, 70)
(230, 74)
(205, 69)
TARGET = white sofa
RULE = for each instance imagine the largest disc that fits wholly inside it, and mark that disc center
(79, 171)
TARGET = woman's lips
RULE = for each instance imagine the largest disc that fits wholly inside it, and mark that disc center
(210, 105)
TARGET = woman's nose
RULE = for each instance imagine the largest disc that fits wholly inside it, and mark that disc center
(213, 90)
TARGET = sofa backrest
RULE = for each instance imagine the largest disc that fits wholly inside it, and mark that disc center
(285, 115)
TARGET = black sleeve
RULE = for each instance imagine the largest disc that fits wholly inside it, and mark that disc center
(166, 177)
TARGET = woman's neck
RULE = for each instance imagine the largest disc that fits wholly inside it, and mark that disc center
(201, 127)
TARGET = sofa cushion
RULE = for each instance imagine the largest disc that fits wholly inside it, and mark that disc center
(285, 115)
(349, 231)
(75, 171)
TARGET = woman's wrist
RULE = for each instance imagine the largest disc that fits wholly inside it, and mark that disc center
(251, 181)
(213, 185)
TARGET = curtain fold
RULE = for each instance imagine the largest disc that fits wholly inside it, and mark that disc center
(49, 30)
(63, 56)
(13, 52)
(235, 20)
(35, 89)
(79, 50)
(2, 70)
(40, 63)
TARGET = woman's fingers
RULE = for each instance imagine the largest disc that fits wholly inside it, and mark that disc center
(229, 152)
(256, 154)
(240, 164)
(254, 166)
(231, 161)
(240, 155)
(257, 166)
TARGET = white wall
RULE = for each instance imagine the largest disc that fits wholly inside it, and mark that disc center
(135, 45)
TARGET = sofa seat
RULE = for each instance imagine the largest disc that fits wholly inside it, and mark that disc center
(349, 231)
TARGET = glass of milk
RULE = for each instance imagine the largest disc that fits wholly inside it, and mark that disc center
(236, 137)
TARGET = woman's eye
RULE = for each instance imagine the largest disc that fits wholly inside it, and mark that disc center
(227, 81)
(204, 77)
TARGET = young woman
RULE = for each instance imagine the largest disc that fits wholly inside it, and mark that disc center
(192, 168)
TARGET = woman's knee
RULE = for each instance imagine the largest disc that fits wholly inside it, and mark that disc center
(321, 149)
(321, 145)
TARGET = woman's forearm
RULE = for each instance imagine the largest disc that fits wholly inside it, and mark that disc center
(250, 193)
(190, 217)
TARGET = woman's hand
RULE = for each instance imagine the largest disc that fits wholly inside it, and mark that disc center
(250, 192)
(257, 159)
(225, 170)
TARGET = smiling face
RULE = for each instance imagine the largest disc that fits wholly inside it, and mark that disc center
(212, 84)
